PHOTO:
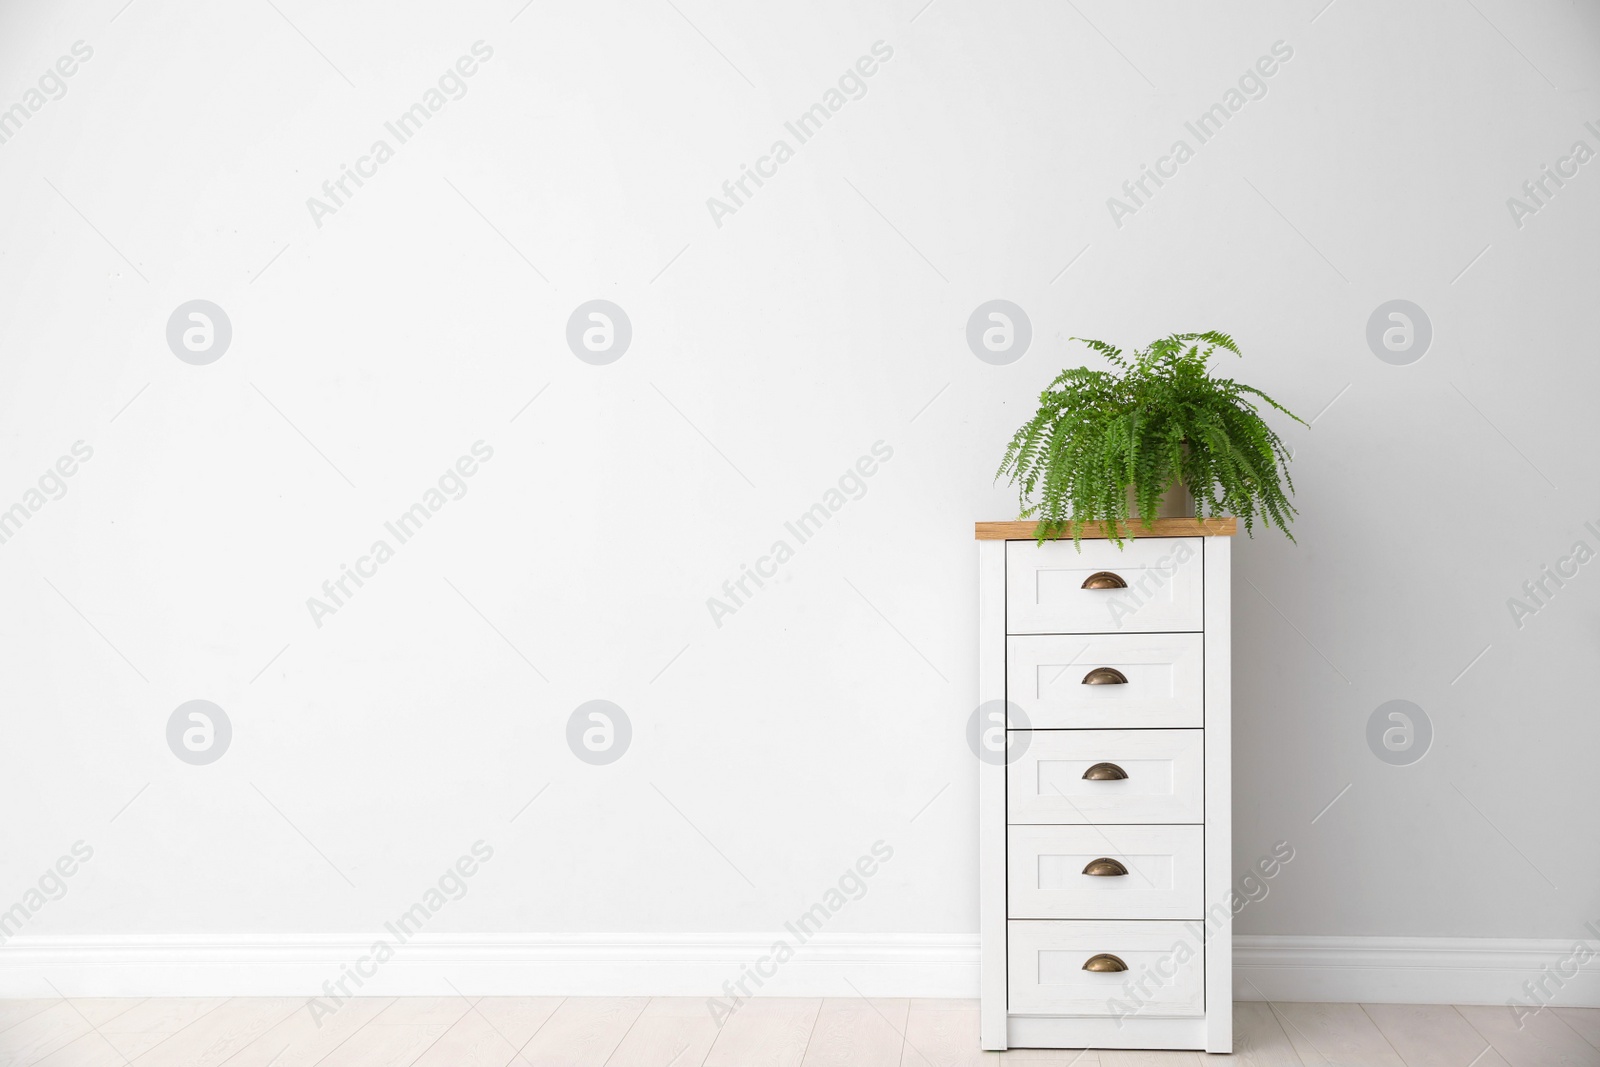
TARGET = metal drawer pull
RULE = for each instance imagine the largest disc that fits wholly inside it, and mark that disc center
(1105, 676)
(1105, 867)
(1105, 961)
(1104, 580)
(1104, 772)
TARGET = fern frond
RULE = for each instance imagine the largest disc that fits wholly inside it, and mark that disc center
(1161, 416)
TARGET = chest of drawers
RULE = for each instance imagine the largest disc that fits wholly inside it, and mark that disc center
(1104, 839)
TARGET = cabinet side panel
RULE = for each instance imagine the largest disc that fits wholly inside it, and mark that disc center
(1219, 792)
(992, 800)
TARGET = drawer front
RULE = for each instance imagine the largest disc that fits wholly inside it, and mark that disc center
(1045, 594)
(1165, 876)
(1048, 676)
(1045, 969)
(1045, 784)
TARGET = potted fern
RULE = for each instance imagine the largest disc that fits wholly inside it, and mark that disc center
(1109, 446)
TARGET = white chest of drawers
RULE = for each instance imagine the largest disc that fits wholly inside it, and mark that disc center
(1104, 837)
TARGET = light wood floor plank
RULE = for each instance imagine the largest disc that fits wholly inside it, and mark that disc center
(90, 1048)
(101, 1010)
(386, 1045)
(42, 1035)
(1584, 1020)
(304, 1038)
(491, 1034)
(765, 1032)
(144, 1026)
(518, 1018)
(400, 1033)
(1543, 1041)
(1335, 1034)
(1148, 1058)
(675, 1031)
(944, 1037)
(424, 1011)
(13, 1012)
(221, 1033)
(1432, 1035)
(583, 1031)
(852, 1031)
(36, 1037)
(1259, 1040)
(946, 1003)
(204, 1042)
(1050, 1057)
(128, 1033)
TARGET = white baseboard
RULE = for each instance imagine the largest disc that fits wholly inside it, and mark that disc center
(1413, 970)
(1336, 969)
(904, 965)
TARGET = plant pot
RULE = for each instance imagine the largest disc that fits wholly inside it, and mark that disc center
(1176, 503)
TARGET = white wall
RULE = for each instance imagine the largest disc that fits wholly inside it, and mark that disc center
(768, 354)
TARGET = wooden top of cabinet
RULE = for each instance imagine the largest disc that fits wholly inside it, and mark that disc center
(1024, 530)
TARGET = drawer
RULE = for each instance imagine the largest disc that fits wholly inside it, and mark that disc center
(1165, 961)
(1162, 592)
(1163, 680)
(1046, 784)
(1165, 876)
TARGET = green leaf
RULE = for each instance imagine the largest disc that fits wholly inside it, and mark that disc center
(1160, 416)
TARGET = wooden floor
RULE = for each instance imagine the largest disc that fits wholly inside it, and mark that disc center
(679, 1032)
